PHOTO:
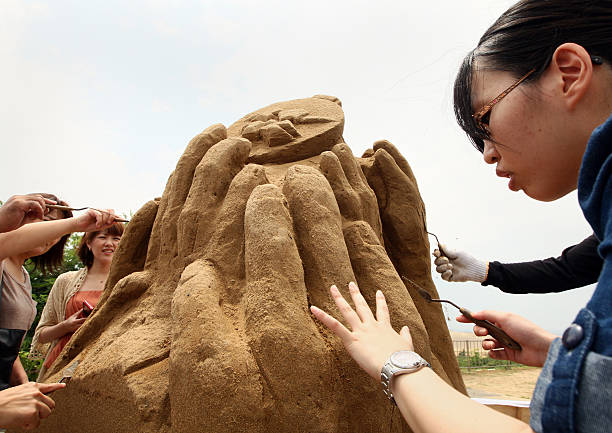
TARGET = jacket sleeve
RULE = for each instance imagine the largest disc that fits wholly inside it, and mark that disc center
(50, 315)
(577, 266)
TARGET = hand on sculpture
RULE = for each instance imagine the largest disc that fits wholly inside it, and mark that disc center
(20, 209)
(534, 340)
(459, 266)
(371, 340)
(25, 405)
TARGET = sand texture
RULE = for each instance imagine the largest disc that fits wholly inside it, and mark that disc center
(204, 323)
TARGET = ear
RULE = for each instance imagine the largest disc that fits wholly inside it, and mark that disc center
(571, 65)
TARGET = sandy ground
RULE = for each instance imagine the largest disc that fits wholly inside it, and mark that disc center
(516, 383)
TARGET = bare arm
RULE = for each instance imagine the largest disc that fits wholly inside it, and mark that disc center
(426, 402)
(55, 332)
(429, 405)
(18, 374)
(31, 236)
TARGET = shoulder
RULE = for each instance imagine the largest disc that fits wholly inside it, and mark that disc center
(69, 277)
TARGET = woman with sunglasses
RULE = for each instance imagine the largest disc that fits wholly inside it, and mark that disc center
(74, 294)
(535, 97)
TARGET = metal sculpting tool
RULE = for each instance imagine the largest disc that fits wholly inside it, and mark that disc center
(494, 331)
(60, 207)
(68, 372)
(438, 242)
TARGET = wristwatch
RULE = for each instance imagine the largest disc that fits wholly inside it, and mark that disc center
(400, 362)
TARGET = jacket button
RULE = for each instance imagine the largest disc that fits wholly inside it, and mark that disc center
(572, 336)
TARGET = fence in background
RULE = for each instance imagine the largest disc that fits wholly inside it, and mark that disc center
(470, 355)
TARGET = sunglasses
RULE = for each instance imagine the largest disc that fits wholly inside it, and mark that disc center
(481, 117)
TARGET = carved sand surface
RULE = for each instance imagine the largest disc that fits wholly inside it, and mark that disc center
(204, 323)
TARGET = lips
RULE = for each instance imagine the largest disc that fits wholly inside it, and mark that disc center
(512, 183)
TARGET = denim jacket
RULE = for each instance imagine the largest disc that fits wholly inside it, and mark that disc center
(574, 390)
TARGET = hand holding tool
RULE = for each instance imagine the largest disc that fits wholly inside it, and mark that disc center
(494, 330)
(57, 206)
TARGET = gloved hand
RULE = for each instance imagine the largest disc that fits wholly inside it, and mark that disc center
(459, 266)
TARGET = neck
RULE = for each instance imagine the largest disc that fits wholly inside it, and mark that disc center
(99, 267)
(17, 261)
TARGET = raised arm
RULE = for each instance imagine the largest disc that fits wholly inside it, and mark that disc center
(577, 266)
(33, 235)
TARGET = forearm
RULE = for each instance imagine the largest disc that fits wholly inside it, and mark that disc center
(419, 396)
(31, 236)
(18, 374)
(51, 333)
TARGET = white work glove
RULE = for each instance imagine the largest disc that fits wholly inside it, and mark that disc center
(459, 266)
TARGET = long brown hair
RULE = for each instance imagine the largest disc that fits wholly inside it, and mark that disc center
(53, 258)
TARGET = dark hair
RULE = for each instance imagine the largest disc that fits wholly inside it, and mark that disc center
(53, 258)
(85, 253)
(525, 38)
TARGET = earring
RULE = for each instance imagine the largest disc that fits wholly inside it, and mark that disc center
(597, 60)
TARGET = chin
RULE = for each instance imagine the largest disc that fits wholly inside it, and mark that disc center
(545, 196)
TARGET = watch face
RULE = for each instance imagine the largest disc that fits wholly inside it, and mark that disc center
(405, 359)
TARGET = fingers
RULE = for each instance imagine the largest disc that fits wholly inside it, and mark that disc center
(345, 309)
(480, 331)
(405, 332)
(351, 168)
(382, 309)
(451, 254)
(317, 226)
(335, 326)
(35, 206)
(164, 231)
(211, 181)
(43, 408)
(272, 264)
(361, 306)
(490, 344)
(46, 388)
(347, 198)
(441, 260)
(497, 317)
(397, 156)
(230, 220)
(443, 267)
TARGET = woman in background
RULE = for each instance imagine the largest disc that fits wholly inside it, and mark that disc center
(66, 309)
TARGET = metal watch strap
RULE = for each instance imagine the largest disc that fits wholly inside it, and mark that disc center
(390, 370)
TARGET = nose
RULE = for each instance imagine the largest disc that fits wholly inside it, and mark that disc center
(490, 154)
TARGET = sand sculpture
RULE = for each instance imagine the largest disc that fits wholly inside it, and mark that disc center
(204, 324)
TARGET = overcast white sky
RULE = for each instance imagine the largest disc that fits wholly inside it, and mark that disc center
(100, 98)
